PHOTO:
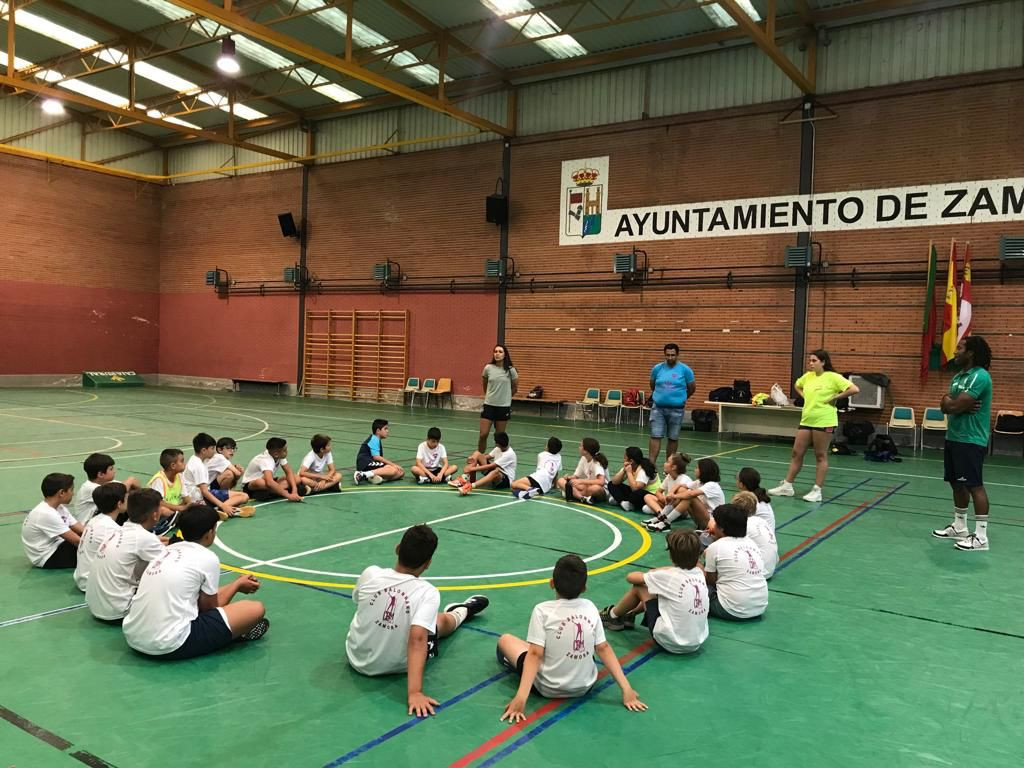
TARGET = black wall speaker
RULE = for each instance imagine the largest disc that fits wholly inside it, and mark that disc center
(287, 222)
(497, 209)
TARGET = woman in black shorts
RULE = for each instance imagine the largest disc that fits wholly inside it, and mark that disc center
(501, 380)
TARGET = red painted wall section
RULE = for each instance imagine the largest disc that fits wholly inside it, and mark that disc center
(66, 329)
(450, 335)
(241, 337)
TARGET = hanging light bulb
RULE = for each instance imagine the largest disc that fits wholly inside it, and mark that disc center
(53, 107)
(227, 62)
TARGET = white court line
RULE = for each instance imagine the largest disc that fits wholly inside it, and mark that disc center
(336, 545)
(117, 444)
(936, 478)
(60, 440)
(43, 615)
(127, 432)
(616, 542)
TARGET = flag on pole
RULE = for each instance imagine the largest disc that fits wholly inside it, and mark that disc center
(930, 314)
(949, 315)
(963, 327)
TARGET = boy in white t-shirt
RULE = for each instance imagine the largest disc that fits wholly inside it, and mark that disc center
(673, 599)
(50, 533)
(109, 500)
(259, 480)
(432, 460)
(123, 556)
(498, 466)
(759, 531)
(733, 568)
(397, 626)
(195, 482)
(180, 610)
(99, 469)
(224, 473)
(557, 657)
(549, 464)
(317, 468)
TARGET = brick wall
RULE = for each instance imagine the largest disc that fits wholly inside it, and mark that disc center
(79, 273)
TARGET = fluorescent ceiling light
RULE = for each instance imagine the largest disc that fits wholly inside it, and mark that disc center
(365, 37)
(721, 18)
(258, 53)
(537, 25)
(69, 37)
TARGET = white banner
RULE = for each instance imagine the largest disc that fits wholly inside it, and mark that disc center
(586, 218)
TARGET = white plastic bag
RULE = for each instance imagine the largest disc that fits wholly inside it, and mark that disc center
(778, 396)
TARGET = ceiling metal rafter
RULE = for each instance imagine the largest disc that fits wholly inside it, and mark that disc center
(302, 49)
(805, 82)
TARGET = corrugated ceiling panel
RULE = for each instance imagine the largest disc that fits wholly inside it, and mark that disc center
(613, 96)
(728, 78)
(290, 140)
(104, 144)
(355, 131)
(151, 163)
(948, 42)
(19, 115)
(421, 123)
(199, 157)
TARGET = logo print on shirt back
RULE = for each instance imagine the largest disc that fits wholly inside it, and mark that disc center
(698, 601)
(577, 642)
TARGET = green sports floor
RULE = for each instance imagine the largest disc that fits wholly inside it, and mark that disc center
(881, 646)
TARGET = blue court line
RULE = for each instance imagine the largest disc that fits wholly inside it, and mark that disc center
(348, 756)
(538, 729)
(838, 528)
(822, 504)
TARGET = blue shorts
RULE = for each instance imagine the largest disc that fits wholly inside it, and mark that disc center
(209, 632)
(218, 494)
(666, 422)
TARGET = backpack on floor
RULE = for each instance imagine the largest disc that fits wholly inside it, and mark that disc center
(858, 432)
(840, 449)
(704, 420)
(882, 448)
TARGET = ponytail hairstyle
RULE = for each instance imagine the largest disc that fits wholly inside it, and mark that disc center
(591, 446)
(601, 459)
(679, 462)
(750, 479)
(826, 359)
(648, 467)
(709, 471)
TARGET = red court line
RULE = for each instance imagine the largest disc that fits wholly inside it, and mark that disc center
(513, 730)
(832, 525)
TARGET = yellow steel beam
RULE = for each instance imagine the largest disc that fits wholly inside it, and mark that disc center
(767, 44)
(305, 50)
(134, 114)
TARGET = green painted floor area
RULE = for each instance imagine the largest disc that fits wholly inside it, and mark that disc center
(881, 645)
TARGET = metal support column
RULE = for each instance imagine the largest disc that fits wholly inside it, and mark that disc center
(801, 286)
(506, 172)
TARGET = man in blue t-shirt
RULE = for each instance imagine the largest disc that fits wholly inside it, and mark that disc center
(671, 383)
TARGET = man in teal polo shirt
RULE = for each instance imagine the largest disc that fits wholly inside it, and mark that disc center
(672, 382)
(969, 408)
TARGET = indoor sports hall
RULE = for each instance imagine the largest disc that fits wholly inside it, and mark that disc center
(779, 235)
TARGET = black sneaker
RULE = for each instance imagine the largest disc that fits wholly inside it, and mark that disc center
(257, 631)
(473, 605)
(612, 623)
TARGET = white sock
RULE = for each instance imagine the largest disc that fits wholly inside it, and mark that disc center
(670, 514)
(669, 508)
(611, 612)
(460, 615)
(960, 518)
(647, 510)
(981, 527)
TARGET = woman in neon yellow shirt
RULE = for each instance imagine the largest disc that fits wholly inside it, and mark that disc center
(820, 387)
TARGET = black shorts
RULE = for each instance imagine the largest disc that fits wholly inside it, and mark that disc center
(534, 483)
(651, 615)
(208, 633)
(828, 430)
(365, 466)
(65, 556)
(501, 483)
(496, 413)
(963, 462)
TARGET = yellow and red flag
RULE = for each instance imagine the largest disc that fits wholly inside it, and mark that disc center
(966, 303)
(949, 313)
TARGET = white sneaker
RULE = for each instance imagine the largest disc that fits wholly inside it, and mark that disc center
(627, 506)
(782, 489)
(357, 477)
(973, 544)
(813, 495)
(376, 479)
(951, 532)
(650, 520)
(423, 480)
(647, 510)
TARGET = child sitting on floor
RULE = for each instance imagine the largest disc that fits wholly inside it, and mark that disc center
(50, 533)
(697, 501)
(499, 467)
(676, 481)
(549, 464)
(673, 599)
(637, 478)
(733, 568)
(749, 479)
(588, 483)
(317, 468)
(371, 465)
(432, 460)
(557, 657)
(759, 532)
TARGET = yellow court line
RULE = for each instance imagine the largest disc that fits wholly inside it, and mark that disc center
(645, 545)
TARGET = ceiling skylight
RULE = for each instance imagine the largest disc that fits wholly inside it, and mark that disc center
(537, 25)
(72, 39)
(257, 52)
(365, 37)
(721, 18)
